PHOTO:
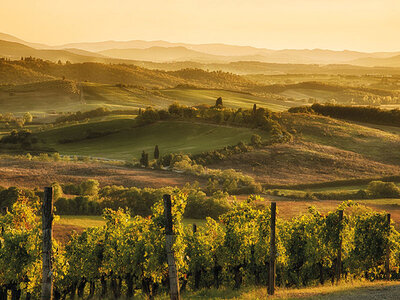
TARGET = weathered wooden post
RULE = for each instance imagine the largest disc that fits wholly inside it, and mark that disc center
(339, 253)
(272, 268)
(169, 239)
(387, 260)
(47, 224)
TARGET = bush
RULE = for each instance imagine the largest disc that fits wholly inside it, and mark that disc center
(383, 189)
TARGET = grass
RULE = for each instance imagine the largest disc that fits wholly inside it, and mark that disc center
(56, 96)
(96, 221)
(82, 221)
(127, 142)
(372, 143)
(346, 290)
(192, 97)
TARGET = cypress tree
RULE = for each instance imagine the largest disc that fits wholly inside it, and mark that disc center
(156, 152)
(218, 103)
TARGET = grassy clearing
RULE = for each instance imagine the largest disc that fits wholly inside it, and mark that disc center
(128, 142)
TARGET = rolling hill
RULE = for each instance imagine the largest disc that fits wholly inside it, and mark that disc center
(142, 50)
(15, 50)
(393, 61)
(162, 54)
(125, 141)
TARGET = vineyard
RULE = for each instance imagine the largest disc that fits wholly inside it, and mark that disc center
(128, 256)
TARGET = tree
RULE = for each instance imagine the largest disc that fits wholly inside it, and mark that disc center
(27, 117)
(156, 152)
(57, 190)
(144, 160)
(89, 187)
(218, 103)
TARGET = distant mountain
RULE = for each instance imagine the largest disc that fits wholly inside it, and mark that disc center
(13, 50)
(393, 61)
(163, 51)
(163, 54)
(10, 38)
(235, 53)
(213, 49)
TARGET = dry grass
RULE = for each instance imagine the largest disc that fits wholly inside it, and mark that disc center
(346, 290)
(31, 174)
(305, 162)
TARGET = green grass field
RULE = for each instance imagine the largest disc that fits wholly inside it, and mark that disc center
(128, 142)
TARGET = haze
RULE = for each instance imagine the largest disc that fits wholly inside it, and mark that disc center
(364, 25)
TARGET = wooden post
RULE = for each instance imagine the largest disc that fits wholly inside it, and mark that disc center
(194, 228)
(169, 239)
(339, 253)
(47, 223)
(387, 260)
(272, 268)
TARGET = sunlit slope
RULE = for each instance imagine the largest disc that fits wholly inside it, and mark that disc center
(323, 149)
(378, 144)
(40, 97)
(17, 74)
(69, 96)
(124, 141)
(232, 99)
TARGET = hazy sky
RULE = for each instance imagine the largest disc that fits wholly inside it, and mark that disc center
(367, 25)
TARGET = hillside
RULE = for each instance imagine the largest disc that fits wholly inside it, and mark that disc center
(122, 140)
(47, 96)
(159, 51)
(11, 38)
(162, 54)
(323, 149)
(257, 67)
(18, 74)
(305, 162)
(131, 75)
(393, 61)
(15, 50)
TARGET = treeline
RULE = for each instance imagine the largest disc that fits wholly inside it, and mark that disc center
(367, 114)
(260, 118)
(19, 139)
(10, 120)
(128, 255)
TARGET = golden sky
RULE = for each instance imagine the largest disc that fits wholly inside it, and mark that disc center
(366, 25)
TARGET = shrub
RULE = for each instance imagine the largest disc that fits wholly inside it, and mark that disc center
(383, 189)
